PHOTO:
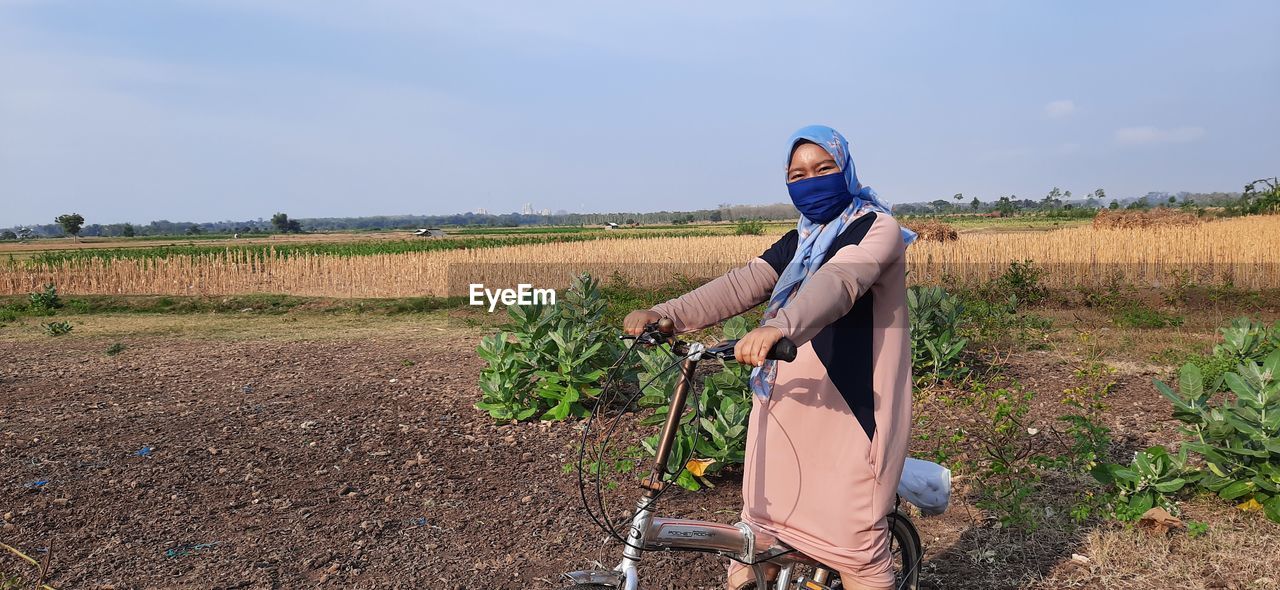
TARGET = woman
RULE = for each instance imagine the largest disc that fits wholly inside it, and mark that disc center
(828, 432)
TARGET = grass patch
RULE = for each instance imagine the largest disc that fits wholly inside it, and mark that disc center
(12, 308)
(1135, 316)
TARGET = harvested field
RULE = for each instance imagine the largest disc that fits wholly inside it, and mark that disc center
(1239, 251)
(1108, 219)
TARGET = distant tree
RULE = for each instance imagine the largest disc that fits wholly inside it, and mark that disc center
(285, 225)
(8, 235)
(127, 231)
(1053, 200)
(24, 233)
(1006, 206)
(1260, 197)
(71, 223)
(1114, 204)
(975, 204)
(194, 229)
(958, 197)
(1173, 200)
(1100, 195)
(941, 205)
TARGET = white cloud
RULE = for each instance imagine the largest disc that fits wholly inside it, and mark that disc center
(1148, 134)
(1060, 108)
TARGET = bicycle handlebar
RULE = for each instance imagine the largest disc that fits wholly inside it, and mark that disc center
(664, 331)
(783, 350)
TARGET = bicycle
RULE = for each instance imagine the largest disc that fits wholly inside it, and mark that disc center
(739, 541)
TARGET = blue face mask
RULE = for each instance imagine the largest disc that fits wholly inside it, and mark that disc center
(820, 198)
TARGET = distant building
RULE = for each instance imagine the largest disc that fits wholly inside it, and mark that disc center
(482, 211)
(611, 225)
(545, 212)
(429, 232)
(527, 209)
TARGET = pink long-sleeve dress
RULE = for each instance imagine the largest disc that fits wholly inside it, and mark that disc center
(826, 450)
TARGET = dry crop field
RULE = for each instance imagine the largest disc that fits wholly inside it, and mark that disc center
(1239, 252)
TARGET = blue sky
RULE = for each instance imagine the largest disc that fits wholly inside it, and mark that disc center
(199, 110)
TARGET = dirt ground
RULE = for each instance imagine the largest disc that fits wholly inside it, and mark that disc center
(353, 458)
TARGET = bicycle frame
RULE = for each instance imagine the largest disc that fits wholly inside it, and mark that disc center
(650, 533)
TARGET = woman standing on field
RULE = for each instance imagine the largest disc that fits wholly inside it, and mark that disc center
(828, 432)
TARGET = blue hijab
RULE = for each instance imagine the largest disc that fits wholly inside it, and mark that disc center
(816, 238)
(836, 145)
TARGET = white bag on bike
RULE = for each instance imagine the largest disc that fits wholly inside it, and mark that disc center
(926, 485)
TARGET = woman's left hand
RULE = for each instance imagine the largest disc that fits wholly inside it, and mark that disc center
(754, 347)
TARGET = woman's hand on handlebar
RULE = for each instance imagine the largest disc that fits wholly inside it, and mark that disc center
(634, 323)
(753, 348)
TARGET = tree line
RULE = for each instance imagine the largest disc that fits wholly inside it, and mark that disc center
(1259, 196)
(282, 223)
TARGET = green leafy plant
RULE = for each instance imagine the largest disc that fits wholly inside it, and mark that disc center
(1239, 439)
(114, 349)
(1146, 482)
(749, 227)
(56, 328)
(1000, 324)
(1084, 439)
(1020, 283)
(45, 302)
(713, 431)
(548, 360)
(1004, 465)
(936, 345)
(1247, 339)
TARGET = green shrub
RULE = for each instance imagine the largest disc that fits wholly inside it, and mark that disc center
(1019, 284)
(1213, 370)
(548, 360)
(56, 328)
(1239, 439)
(1246, 339)
(716, 428)
(1258, 200)
(749, 227)
(45, 302)
(114, 349)
(1146, 482)
(936, 345)
(1002, 454)
(1000, 324)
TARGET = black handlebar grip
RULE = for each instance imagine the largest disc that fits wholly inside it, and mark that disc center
(783, 350)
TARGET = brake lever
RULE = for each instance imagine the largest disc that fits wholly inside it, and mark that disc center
(722, 349)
